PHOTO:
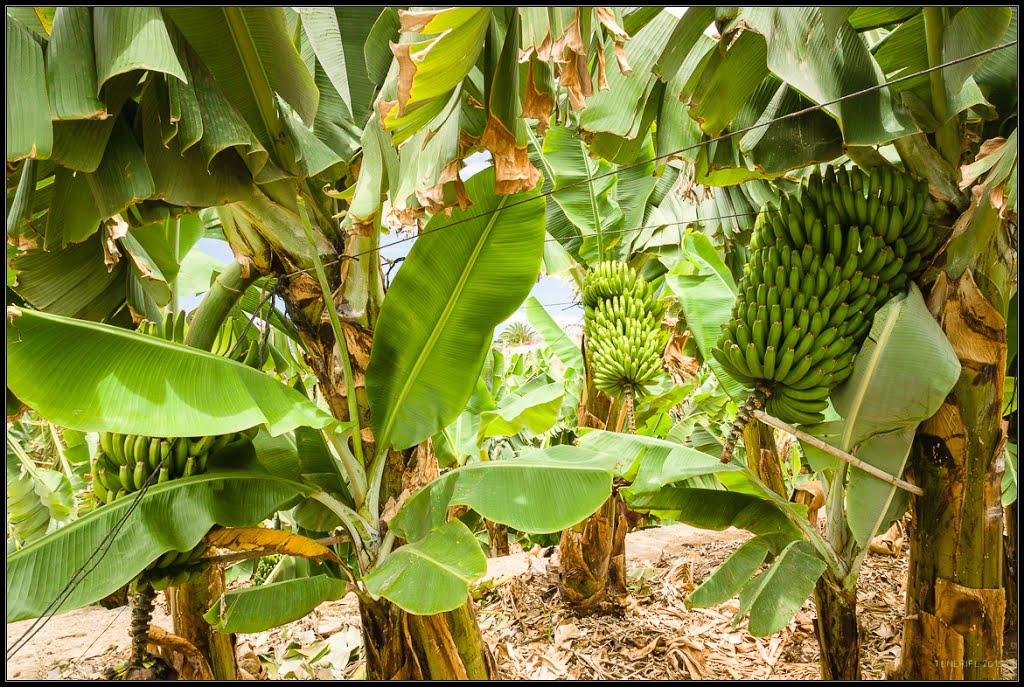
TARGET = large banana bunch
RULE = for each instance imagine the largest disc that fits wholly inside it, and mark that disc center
(822, 264)
(124, 462)
(622, 323)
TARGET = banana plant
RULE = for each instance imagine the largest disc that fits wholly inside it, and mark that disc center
(747, 81)
(251, 483)
(879, 408)
(280, 154)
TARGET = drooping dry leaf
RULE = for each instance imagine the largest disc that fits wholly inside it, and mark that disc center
(259, 538)
(513, 171)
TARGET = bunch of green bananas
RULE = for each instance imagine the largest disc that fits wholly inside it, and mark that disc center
(847, 211)
(822, 264)
(125, 462)
(176, 568)
(28, 515)
(175, 327)
(622, 323)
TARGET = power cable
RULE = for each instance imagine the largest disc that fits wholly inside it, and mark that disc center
(81, 573)
(722, 137)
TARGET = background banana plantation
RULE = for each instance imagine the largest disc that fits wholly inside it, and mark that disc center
(365, 405)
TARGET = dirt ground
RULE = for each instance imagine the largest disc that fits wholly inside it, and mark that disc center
(531, 634)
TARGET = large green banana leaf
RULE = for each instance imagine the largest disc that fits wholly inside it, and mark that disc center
(531, 407)
(900, 377)
(257, 609)
(815, 50)
(432, 574)
(592, 207)
(543, 491)
(73, 281)
(774, 596)
(338, 36)
(711, 509)
(250, 54)
(174, 515)
(653, 462)
(29, 133)
(706, 296)
(621, 115)
(464, 276)
(727, 580)
(94, 377)
(554, 336)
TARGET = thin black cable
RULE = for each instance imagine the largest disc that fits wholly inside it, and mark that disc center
(73, 583)
(113, 620)
(265, 334)
(659, 225)
(75, 580)
(257, 313)
(722, 137)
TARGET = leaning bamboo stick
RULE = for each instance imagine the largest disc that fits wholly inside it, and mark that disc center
(841, 455)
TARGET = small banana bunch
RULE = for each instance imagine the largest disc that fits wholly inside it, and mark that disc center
(821, 266)
(623, 328)
(175, 568)
(125, 462)
(27, 514)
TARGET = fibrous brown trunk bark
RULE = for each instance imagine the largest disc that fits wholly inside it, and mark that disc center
(189, 603)
(402, 646)
(497, 539)
(837, 628)
(955, 600)
(592, 555)
(592, 558)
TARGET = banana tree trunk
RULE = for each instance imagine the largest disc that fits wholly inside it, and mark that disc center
(402, 646)
(188, 604)
(837, 628)
(398, 645)
(592, 555)
(497, 539)
(955, 599)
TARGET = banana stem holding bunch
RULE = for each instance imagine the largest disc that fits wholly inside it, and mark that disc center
(630, 412)
(142, 615)
(225, 293)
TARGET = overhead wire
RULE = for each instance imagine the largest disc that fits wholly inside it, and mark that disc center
(727, 135)
(101, 550)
